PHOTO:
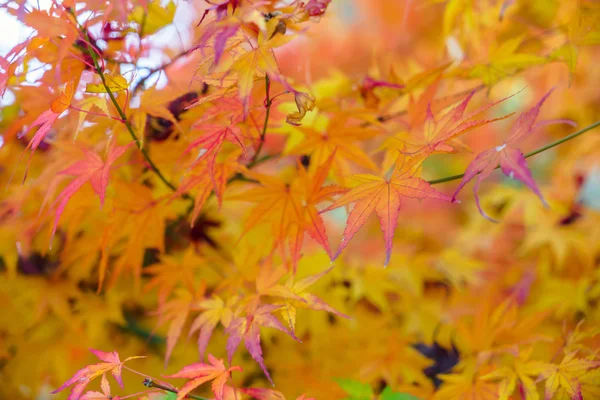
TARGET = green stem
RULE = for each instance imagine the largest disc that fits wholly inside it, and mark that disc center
(151, 384)
(530, 154)
(268, 103)
(128, 125)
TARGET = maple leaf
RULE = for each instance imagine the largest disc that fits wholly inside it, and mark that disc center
(436, 134)
(508, 156)
(259, 60)
(296, 290)
(171, 272)
(523, 372)
(115, 83)
(248, 330)
(383, 195)
(269, 394)
(104, 395)
(220, 30)
(305, 103)
(214, 311)
(84, 376)
(206, 183)
(92, 169)
(340, 137)
(200, 373)
(503, 61)
(49, 27)
(565, 376)
(290, 208)
(211, 142)
(466, 385)
(85, 106)
(176, 311)
(48, 117)
(153, 16)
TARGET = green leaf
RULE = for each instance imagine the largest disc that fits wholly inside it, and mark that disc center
(357, 390)
(388, 394)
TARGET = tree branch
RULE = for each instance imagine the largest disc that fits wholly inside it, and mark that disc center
(120, 111)
(530, 154)
(268, 102)
(151, 384)
(153, 71)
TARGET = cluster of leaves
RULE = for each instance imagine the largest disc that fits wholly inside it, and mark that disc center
(202, 196)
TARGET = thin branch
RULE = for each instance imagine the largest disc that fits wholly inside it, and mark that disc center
(151, 384)
(530, 154)
(268, 102)
(128, 125)
(153, 71)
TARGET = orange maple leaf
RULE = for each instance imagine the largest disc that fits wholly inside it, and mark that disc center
(383, 195)
(290, 208)
(200, 373)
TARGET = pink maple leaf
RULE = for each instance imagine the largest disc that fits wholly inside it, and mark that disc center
(93, 169)
(84, 376)
(248, 329)
(507, 156)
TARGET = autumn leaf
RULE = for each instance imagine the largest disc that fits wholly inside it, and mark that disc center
(214, 310)
(565, 377)
(115, 84)
(294, 290)
(92, 169)
(200, 373)
(305, 103)
(269, 394)
(504, 60)
(436, 134)
(507, 156)
(259, 60)
(383, 195)
(176, 312)
(523, 374)
(105, 395)
(84, 376)
(85, 106)
(49, 117)
(248, 330)
(290, 207)
(341, 136)
(153, 16)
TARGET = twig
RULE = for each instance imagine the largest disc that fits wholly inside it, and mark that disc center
(128, 125)
(151, 384)
(268, 103)
(153, 71)
(533, 153)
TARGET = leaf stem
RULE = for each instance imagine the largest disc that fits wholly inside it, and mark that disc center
(151, 384)
(530, 154)
(268, 103)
